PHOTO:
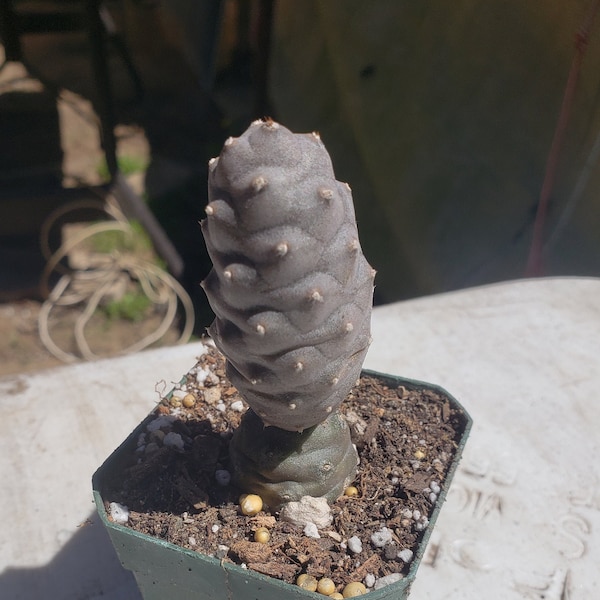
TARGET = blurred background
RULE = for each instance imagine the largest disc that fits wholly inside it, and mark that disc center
(469, 132)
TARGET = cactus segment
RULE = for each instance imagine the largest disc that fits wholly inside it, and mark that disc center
(292, 295)
(288, 273)
(282, 466)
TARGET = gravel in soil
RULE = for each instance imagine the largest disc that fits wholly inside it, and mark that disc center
(406, 440)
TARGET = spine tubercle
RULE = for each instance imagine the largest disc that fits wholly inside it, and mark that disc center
(290, 287)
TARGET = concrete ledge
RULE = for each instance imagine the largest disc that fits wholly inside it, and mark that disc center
(521, 516)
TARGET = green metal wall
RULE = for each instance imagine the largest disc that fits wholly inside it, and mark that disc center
(441, 115)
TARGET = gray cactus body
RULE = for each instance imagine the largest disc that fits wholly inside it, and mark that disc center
(292, 293)
(290, 287)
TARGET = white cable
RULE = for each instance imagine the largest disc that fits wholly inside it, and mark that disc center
(87, 288)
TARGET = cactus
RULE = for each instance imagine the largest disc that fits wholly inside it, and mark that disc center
(292, 294)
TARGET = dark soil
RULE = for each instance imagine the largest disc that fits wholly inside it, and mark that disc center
(406, 441)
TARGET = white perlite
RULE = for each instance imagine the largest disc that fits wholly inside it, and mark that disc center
(173, 440)
(355, 545)
(311, 531)
(382, 537)
(201, 375)
(160, 422)
(308, 510)
(222, 477)
(119, 513)
(405, 555)
(369, 580)
(387, 580)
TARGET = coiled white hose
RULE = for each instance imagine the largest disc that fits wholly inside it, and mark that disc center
(87, 288)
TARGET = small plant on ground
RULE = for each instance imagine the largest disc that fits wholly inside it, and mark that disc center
(128, 165)
(134, 240)
(132, 306)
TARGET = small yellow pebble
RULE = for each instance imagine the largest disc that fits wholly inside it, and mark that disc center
(307, 582)
(262, 535)
(351, 491)
(419, 454)
(189, 400)
(336, 596)
(174, 401)
(355, 588)
(326, 586)
(251, 504)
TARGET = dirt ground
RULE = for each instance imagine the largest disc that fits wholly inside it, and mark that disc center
(21, 348)
(165, 136)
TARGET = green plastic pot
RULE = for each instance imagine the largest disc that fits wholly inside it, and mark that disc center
(164, 571)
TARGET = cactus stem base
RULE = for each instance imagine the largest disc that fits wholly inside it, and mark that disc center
(282, 466)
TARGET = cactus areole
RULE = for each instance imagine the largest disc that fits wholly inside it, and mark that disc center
(292, 294)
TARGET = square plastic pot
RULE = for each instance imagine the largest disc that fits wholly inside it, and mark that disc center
(164, 571)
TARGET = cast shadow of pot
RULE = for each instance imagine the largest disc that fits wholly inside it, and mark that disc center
(87, 567)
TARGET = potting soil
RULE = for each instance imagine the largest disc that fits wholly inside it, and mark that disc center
(175, 485)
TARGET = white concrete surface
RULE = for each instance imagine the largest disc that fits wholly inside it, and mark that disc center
(523, 514)
(57, 427)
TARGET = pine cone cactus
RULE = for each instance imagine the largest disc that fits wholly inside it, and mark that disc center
(290, 287)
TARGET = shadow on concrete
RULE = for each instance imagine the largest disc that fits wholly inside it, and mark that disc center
(86, 568)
